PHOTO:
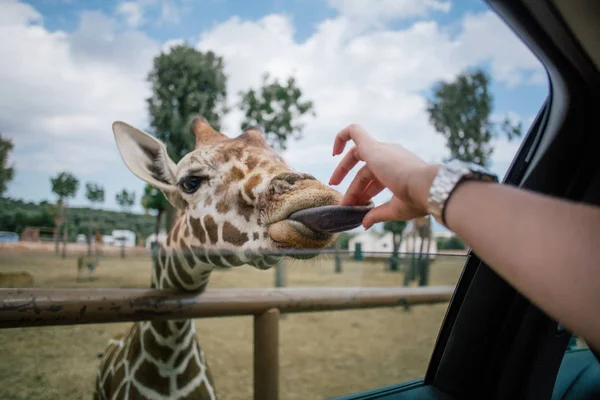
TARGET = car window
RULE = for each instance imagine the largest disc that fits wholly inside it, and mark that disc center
(75, 212)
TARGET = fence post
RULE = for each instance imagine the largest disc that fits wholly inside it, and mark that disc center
(280, 275)
(266, 355)
(338, 259)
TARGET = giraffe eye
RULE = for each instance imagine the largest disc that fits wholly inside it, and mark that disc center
(189, 184)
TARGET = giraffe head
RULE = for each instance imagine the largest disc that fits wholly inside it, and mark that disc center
(233, 194)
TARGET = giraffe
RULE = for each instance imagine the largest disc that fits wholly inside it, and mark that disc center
(233, 196)
(421, 228)
(99, 241)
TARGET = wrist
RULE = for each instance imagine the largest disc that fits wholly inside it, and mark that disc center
(422, 185)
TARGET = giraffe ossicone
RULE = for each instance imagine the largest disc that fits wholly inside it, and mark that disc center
(234, 196)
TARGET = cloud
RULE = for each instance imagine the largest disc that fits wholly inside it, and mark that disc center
(61, 91)
(368, 12)
(137, 13)
(511, 61)
(373, 78)
(132, 12)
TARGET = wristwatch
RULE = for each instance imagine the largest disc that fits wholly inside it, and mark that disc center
(448, 178)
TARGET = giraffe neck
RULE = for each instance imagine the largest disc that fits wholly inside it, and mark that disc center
(179, 265)
(155, 360)
(162, 359)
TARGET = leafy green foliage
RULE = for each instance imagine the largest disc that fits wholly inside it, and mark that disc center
(275, 109)
(460, 110)
(154, 199)
(15, 215)
(125, 199)
(6, 171)
(397, 229)
(94, 193)
(185, 82)
(65, 185)
(344, 239)
(451, 243)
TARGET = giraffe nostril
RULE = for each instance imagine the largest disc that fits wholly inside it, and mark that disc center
(292, 177)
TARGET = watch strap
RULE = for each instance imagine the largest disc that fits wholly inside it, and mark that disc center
(448, 178)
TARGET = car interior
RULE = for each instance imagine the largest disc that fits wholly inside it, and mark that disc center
(494, 343)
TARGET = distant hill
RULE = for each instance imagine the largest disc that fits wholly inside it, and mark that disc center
(15, 215)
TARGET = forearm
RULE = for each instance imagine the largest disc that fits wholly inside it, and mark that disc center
(546, 248)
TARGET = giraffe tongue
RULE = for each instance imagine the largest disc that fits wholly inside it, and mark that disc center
(332, 219)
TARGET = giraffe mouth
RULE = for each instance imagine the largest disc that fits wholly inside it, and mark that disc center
(331, 219)
(316, 227)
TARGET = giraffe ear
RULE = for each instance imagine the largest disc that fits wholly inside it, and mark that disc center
(146, 157)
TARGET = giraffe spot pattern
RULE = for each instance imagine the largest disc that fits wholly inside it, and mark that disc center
(223, 206)
(233, 235)
(187, 254)
(243, 208)
(264, 164)
(198, 230)
(183, 274)
(161, 328)
(251, 184)
(175, 231)
(215, 260)
(251, 162)
(255, 236)
(134, 393)
(230, 258)
(148, 375)
(200, 253)
(184, 353)
(211, 229)
(192, 369)
(208, 201)
(234, 175)
(155, 349)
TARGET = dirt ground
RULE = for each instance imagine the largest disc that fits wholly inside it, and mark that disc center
(322, 354)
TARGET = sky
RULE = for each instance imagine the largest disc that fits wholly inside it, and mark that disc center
(70, 68)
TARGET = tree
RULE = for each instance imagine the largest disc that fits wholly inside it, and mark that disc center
(184, 82)
(275, 109)
(65, 186)
(153, 199)
(94, 194)
(6, 171)
(126, 200)
(460, 110)
(451, 243)
(397, 229)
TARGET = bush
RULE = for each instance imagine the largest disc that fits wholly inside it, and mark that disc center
(451, 243)
(16, 215)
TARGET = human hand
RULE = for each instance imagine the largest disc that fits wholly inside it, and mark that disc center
(389, 166)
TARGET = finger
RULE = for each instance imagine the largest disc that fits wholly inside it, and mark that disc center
(373, 189)
(352, 132)
(348, 162)
(384, 212)
(363, 177)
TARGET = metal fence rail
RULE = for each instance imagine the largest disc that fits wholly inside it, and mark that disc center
(48, 307)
